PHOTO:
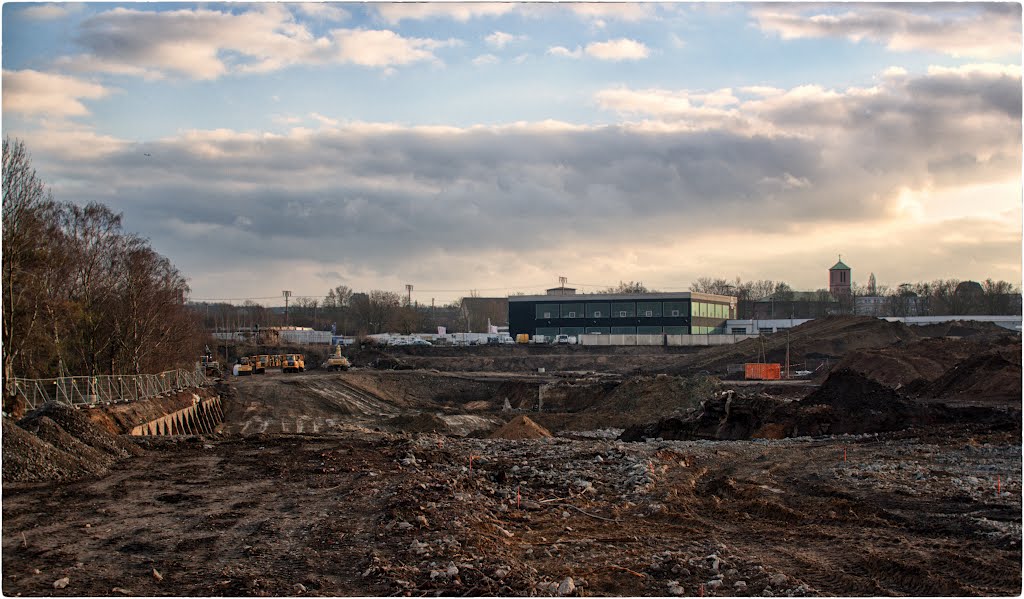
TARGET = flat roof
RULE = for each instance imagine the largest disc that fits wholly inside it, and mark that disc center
(727, 299)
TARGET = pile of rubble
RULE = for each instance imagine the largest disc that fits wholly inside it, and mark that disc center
(58, 442)
(534, 517)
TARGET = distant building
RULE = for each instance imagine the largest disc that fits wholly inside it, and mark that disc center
(839, 279)
(871, 305)
(619, 314)
(561, 291)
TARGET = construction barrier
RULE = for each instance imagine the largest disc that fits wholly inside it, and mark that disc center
(106, 389)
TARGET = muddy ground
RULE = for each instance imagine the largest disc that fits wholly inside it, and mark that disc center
(379, 482)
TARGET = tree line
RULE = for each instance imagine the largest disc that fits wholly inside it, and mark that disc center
(81, 295)
(941, 297)
(349, 312)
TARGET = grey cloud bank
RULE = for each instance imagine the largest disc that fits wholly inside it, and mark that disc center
(386, 201)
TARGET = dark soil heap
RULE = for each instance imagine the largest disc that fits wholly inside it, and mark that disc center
(994, 376)
(849, 402)
(58, 442)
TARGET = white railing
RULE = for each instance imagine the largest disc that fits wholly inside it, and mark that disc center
(106, 389)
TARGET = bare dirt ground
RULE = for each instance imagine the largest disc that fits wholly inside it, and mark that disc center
(380, 483)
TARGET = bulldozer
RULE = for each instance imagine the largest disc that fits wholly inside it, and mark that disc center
(259, 363)
(293, 363)
(337, 361)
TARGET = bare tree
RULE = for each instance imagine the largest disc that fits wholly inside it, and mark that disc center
(28, 229)
(631, 288)
(375, 312)
(709, 285)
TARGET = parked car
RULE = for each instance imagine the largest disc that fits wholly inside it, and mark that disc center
(565, 340)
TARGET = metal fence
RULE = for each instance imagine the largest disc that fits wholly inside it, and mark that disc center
(106, 389)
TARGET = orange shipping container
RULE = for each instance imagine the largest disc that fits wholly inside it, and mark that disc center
(762, 372)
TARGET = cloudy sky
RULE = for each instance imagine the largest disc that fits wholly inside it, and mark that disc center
(496, 147)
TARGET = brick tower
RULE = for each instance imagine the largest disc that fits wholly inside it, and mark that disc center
(839, 278)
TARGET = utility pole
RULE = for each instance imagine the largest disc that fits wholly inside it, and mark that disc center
(286, 295)
(408, 295)
(561, 284)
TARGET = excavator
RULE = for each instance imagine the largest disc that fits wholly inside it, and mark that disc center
(210, 366)
(337, 361)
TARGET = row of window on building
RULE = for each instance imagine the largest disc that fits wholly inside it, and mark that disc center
(632, 310)
(552, 331)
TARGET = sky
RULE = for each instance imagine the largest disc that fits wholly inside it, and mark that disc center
(491, 148)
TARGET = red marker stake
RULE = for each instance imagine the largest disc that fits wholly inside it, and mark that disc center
(844, 454)
(471, 464)
(999, 485)
(517, 497)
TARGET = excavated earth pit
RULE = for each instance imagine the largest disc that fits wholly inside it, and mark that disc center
(430, 482)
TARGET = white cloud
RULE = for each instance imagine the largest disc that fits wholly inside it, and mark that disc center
(324, 11)
(621, 11)
(379, 48)
(565, 52)
(616, 50)
(208, 44)
(324, 120)
(819, 167)
(959, 29)
(31, 92)
(45, 12)
(485, 59)
(396, 12)
(500, 39)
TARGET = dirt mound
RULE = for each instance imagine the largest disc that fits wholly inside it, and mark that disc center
(27, 458)
(417, 423)
(521, 427)
(958, 328)
(831, 337)
(908, 364)
(991, 376)
(850, 402)
(58, 442)
(52, 433)
(78, 425)
(370, 357)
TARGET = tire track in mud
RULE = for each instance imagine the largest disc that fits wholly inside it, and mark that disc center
(301, 405)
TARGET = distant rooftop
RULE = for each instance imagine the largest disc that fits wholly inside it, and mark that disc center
(623, 297)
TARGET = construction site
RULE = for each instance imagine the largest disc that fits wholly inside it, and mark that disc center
(890, 466)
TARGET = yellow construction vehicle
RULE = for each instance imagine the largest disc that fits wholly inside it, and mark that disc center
(259, 363)
(293, 363)
(210, 366)
(337, 361)
(243, 367)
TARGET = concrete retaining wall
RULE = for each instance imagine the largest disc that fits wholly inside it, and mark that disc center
(203, 417)
(673, 340)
